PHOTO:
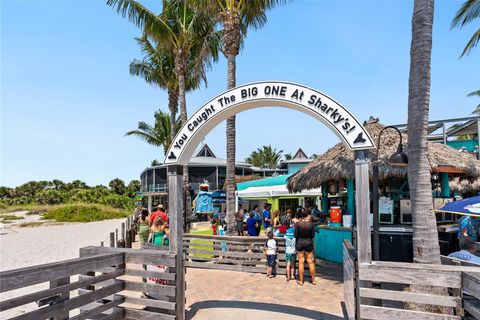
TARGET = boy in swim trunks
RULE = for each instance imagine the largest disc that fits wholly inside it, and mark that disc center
(290, 253)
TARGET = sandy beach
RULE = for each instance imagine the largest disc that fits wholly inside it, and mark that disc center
(28, 246)
(22, 247)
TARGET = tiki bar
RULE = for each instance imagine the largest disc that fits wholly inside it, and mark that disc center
(454, 175)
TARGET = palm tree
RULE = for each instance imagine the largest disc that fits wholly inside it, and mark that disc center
(236, 17)
(117, 185)
(157, 68)
(468, 12)
(185, 31)
(157, 135)
(288, 156)
(473, 94)
(425, 236)
(266, 157)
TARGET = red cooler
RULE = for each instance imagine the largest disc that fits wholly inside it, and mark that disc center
(335, 215)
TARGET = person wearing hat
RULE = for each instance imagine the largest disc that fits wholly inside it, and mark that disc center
(290, 253)
(159, 212)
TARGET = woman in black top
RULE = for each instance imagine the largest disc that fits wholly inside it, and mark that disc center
(304, 234)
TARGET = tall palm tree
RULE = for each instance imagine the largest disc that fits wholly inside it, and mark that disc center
(183, 30)
(425, 236)
(236, 16)
(157, 68)
(469, 11)
(157, 135)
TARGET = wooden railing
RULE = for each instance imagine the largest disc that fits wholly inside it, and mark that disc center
(232, 253)
(104, 283)
(383, 290)
(350, 267)
(470, 286)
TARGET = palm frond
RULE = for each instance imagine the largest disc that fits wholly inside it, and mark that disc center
(471, 43)
(474, 93)
(469, 11)
(142, 17)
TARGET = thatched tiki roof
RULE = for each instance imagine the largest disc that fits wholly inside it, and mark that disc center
(338, 163)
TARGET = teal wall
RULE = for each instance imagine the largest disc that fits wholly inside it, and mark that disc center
(445, 186)
(329, 242)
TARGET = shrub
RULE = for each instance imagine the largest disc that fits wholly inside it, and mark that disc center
(83, 213)
(50, 197)
(117, 201)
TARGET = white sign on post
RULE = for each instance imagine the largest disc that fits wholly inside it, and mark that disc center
(265, 94)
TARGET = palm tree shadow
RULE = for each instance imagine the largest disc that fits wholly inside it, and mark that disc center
(290, 310)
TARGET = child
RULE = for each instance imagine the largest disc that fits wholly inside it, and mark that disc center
(271, 248)
(290, 253)
(159, 232)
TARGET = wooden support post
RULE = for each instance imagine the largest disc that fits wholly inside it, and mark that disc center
(112, 239)
(62, 297)
(362, 204)
(123, 231)
(116, 236)
(175, 212)
(128, 239)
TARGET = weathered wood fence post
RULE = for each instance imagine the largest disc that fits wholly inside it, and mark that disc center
(362, 203)
(175, 212)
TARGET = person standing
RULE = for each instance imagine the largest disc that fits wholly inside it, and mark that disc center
(271, 248)
(258, 218)
(252, 225)
(290, 253)
(468, 226)
(143, 228)
(239, 220)
(159, 234)
(304, 234)
(267, 216)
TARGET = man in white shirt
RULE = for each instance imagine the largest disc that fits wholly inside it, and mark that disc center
(467, 251)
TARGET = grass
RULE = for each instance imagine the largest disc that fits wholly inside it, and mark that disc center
(10, 217)
(202, 255)
(31, 224)
(31, 208)
(81, 212)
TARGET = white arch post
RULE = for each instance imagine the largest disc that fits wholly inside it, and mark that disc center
(267, 94)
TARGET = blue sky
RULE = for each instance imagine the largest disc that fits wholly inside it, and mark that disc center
(67, 98)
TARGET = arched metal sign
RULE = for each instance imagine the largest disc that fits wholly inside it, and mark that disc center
(266, 94)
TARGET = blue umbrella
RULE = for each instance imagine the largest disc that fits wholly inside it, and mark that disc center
(466, 207)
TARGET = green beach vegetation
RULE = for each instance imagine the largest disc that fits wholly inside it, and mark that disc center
(69, 202)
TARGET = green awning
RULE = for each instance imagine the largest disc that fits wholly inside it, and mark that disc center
(271, 181)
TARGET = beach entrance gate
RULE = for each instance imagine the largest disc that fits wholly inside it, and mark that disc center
(266, 94)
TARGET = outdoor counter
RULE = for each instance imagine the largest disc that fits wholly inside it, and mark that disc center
(329, 240)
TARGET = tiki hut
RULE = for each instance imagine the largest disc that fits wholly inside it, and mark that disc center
(338, 163)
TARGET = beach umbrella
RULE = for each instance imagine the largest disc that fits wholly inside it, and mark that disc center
(466, 207)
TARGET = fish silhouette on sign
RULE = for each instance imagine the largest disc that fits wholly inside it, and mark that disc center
(359, 138)
(172, 156)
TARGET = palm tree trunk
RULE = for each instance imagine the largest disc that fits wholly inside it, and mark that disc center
(180, 67)
(425, 237)
(173, 107)
(230, 176)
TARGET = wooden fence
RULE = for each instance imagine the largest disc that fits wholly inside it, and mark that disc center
(104, 283)
(233, 253)
(383, 290)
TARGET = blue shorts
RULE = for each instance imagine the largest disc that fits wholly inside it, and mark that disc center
(271, 260)
(290, 257)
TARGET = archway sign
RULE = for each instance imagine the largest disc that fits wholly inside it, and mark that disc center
(266, 94)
